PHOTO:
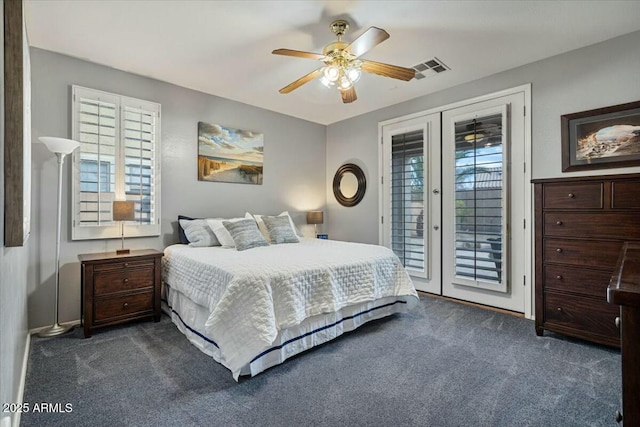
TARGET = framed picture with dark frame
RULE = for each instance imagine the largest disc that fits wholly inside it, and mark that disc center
(602, 138)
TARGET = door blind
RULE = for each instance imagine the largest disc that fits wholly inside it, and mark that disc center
(407, 198)
(479, 198)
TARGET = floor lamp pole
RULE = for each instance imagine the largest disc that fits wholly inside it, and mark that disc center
(56, 329)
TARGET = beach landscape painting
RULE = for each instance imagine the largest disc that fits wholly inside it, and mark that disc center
(229, 155)
(604, 138)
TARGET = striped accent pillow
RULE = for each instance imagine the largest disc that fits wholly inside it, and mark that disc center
(245, 234)
(280, 230)
(198, 233)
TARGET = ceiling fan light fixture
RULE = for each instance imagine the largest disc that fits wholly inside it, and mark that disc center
(331, 73)
(345, 83)
(353, 73)
(326, 82)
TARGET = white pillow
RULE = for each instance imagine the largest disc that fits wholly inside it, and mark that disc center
(221, 233)
(263, 228)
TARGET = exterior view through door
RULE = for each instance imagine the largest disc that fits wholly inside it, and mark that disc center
(455, 198)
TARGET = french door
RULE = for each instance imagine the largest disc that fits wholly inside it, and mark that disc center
(455, 197)
(411, 206)
(484, 244)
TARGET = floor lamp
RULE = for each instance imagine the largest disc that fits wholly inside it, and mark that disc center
(61, 147)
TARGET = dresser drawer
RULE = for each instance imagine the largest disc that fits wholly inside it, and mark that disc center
(602, 254)
(624, 195)
(123, 280)
(583, 314)
(622, 226)
(577, 280)
(575, 195)
(108, 309)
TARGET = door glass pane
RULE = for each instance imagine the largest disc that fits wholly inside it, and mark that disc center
(479, 198)
(407, 198)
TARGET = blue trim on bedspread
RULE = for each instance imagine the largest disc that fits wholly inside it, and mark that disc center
(278, 347)
(189, 327)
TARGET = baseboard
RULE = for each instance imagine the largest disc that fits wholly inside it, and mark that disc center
(473, 304)
(23, 378)
(34, 331)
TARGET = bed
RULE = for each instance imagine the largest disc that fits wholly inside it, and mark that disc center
(253, 309)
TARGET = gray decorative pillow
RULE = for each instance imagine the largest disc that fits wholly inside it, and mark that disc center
(198, 233)
(280, 230)
(245, 234)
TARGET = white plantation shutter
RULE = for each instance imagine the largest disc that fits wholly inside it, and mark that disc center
(139, 142)
(118, 159)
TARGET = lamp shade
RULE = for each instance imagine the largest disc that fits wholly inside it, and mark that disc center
(123, 211)
(315, 217)
(59, 145)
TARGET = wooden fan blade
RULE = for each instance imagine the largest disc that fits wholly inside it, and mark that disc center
(387, 70)
(367, 40)
(349, 95)
(302, 80)
(298, 54)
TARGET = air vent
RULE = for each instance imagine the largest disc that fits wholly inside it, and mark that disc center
(429, 68)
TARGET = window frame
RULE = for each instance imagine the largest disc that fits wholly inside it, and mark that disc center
(113, 229)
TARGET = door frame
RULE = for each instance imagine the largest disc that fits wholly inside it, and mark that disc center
(528, 205)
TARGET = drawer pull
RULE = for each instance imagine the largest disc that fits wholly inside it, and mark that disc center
(559, 250)
(125, 280)
(559, 277)
(125, 305)
(618, 322)
(572, 196)
(558, 222)
(126, 264)
(559, 309)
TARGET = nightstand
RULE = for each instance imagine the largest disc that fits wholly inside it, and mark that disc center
(120, 288)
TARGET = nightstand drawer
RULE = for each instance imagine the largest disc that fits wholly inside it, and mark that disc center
(123, 280)
(112, 308)
(582, 314)
(123, 265)
(575, 195)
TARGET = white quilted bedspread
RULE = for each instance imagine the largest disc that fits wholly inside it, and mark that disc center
(253, 294)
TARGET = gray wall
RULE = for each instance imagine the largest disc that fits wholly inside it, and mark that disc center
(13, 289)
(597, 76)
(294, 169)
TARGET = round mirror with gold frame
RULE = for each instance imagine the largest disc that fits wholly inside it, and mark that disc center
(349, 185)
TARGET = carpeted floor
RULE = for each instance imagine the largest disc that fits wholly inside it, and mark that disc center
(442, 364)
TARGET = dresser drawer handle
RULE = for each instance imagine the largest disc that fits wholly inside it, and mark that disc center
(125, 305)
(558, 222)
(125, 280)
(559, 309)
(126, 264)
(618, 322)
(559, 277)
(559, 250)
(572, 196)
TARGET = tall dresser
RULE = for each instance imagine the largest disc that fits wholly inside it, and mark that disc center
(580, 227)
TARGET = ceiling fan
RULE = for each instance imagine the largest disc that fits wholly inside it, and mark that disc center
(342, 64)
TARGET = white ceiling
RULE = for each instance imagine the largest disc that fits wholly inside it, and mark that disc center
(224, 47)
